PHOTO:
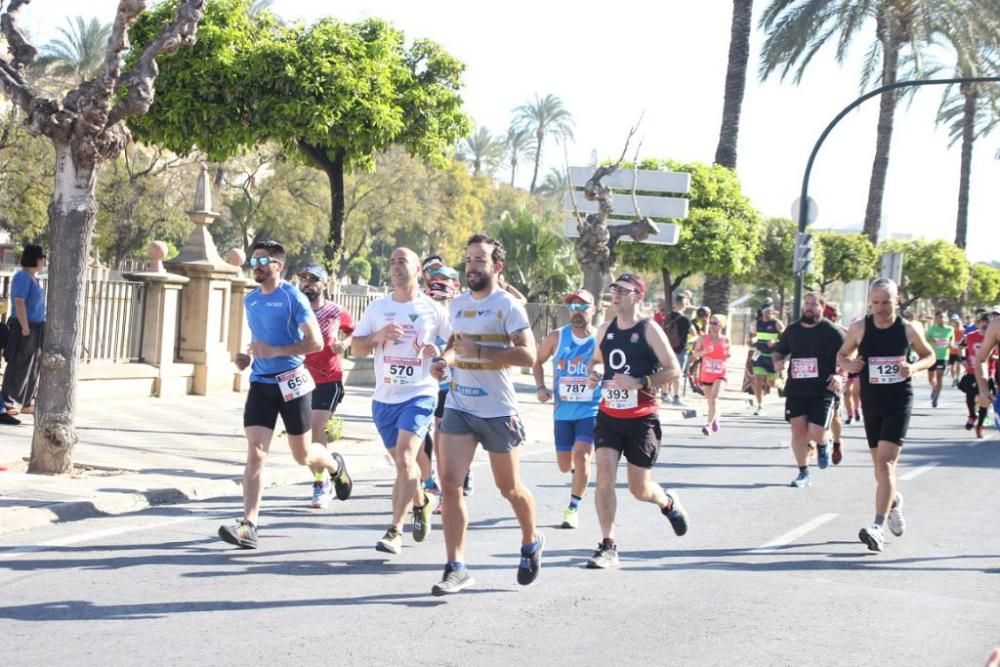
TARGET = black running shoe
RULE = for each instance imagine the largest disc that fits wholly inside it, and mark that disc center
(342, 482)
(243, 534)
(531, 563)
(676, 514)
(453, 581)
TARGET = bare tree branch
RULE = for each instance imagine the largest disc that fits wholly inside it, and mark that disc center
(140, 79)
(20, 48)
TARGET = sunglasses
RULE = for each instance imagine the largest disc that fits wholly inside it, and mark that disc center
(263, 261)
(308, 278)
(715, 323)
(615, 289)
(580, 307)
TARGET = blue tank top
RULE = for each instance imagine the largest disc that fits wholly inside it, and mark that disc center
(570, 362)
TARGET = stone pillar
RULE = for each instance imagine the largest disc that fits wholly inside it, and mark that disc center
(206, 300)
(239, 328)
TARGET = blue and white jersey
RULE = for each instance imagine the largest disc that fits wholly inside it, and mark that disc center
(569, 377)
(276, 319)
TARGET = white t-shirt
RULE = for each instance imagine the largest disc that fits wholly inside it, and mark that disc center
(478, 387)
(401, 371)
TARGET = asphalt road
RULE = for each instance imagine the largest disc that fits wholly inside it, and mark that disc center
(767, 575)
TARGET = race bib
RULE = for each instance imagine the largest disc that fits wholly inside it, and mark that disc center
(942, 342)
(714, 366)
(617, 398)
(574, 389)
(402, 370)
(295, 383)
(884, 370)
(805, 368)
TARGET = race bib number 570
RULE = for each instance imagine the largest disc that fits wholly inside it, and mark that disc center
(403, 370)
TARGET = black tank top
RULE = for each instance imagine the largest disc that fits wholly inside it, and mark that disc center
(626, 351)
(883, 345)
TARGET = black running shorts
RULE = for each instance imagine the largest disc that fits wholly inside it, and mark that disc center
(886, 426)
(818, 409)
(327, 396)
(264, 404)
(638, 439)
(939, 365)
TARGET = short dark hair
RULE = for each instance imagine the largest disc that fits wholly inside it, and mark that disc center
(432, 258)
(30, 255)
(499, 253)
(273, 249)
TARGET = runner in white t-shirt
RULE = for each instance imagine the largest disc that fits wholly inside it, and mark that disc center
(401, 328)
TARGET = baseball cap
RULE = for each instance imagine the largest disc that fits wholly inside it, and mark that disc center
(955, 318)
(446, 271)
(315, 270)
(829, 312)
(432, 262)
(580, 295)
(995, 310)
(631, 281)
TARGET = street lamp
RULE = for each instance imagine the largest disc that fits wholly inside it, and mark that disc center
(804, 197)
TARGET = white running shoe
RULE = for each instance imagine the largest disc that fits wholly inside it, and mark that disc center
(897, 524)
(872, 536)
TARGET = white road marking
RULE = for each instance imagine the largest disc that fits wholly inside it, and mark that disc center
(796, 533)
(918, 471)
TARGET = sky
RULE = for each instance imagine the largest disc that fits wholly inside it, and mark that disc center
(611, 62)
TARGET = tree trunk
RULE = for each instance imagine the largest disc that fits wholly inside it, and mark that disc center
(781, 299)
(736, 77)
(72, 217)
(513, 171)
(883, 141)
(668, 288)
(334, 170)
(540, 134)
(596, 276)
(968, 139)
(718, 293)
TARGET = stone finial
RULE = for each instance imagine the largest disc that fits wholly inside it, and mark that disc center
(236, 256)
(157, 251)
(203, 192)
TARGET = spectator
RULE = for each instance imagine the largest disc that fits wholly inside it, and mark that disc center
(27, 328)
(677, 328)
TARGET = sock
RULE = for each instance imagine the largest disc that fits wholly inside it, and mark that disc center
(528, 549)
(880, 520)
(804, 469)
(456, 564)
(318, 476)
(609, 542)
(836, 444)
(982, 417)
(895, 501)
(574, 502)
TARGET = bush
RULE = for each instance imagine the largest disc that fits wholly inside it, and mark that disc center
(334, 429)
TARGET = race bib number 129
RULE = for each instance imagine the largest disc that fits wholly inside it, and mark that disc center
(885, 370)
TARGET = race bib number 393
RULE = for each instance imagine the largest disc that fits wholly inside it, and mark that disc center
(617, 398)
(295, 383)
(885, 370)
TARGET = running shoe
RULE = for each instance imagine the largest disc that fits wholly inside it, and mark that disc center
(422, 520)
(847, 421)
(571, 518)
(453, 580)
(823, 459)
(9, 419)
(857, 415)
(979, 432)
(838, 454)
(715, 426)
(970, 423)
(342, 482)
(677, 401)
(322, 494)
(391, 542)
(704, 430)
(759, 410)
(467, 487)
(676, 513)
(531, 563)
(934, 402)
(897, 524)
(804, 479)
(606, 556)
(872, 536)
(243, 534)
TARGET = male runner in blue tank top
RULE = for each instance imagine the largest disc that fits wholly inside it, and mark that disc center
(881, 340)
(571, 348)
(632, 360)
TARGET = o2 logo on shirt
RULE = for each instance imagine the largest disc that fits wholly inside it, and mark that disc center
(618, 361)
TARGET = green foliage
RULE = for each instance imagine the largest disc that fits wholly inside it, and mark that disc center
(482, 151)
(539, 259)
(26, 180)
(334, 428)
(359, 269)
(984, 285)
(774, 265)
(544, 117)
(846, 257)
(931, 269)
(79, 53)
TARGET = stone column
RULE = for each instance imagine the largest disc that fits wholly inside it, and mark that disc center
(239, 328)
(206, 300)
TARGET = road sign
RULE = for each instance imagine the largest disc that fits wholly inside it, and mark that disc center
(668, 234)
(892, 266)
(812, 210)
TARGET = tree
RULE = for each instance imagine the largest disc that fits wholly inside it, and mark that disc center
(483, 150)
(846, 257)
(520, 143)
(984, 285)
(86, 129)
(774, 266)
(931, 269)
(539, 258)
(26, 175)
(359, 269)
(798, 29)
(79, 53)
(555, 184)
(335, 93)
(546, 117)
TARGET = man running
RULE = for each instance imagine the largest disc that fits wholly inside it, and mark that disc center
(881, 341)
(401, 328)
(571, 349)
(810, 345)
(326, 368)
(633, 359)
(492, 334)
(764, 333)
(940, 336)
(678, 328)
(973, 341)
(991, 342)
(283, 330)
(955, 352)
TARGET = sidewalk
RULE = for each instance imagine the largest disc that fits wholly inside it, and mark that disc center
(149, 451)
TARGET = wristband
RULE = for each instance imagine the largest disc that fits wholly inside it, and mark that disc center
(647, 380)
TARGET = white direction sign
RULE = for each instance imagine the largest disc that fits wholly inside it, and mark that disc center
(668, 234)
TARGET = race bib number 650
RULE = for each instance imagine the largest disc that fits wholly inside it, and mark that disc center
(295, 383)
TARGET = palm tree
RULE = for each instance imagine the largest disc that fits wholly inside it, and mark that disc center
(258, 7)
(545, 116)
(520, 143)
(554, 184)
(798, 29)
(483, 150)
(79, 52)
(718, 289)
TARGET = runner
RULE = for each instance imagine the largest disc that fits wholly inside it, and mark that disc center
(571, 348)
(831, 313)
(764, 333)
(940, 336)
(881, 341)
(973, 342)
(327, 371)
(955, 352)
(677, 329)
(987, 349)
(711, 352)
(492, 334)
(401, 328)
(283, 330)
(633, 359)
(810, 345)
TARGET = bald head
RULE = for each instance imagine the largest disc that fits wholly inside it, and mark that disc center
(404, 267)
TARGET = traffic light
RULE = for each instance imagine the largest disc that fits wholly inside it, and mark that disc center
(803, 259)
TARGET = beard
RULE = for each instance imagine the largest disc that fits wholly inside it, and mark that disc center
(479, 281)
(810, 318)
(312, 295)
(259, 276)
(578, 321)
